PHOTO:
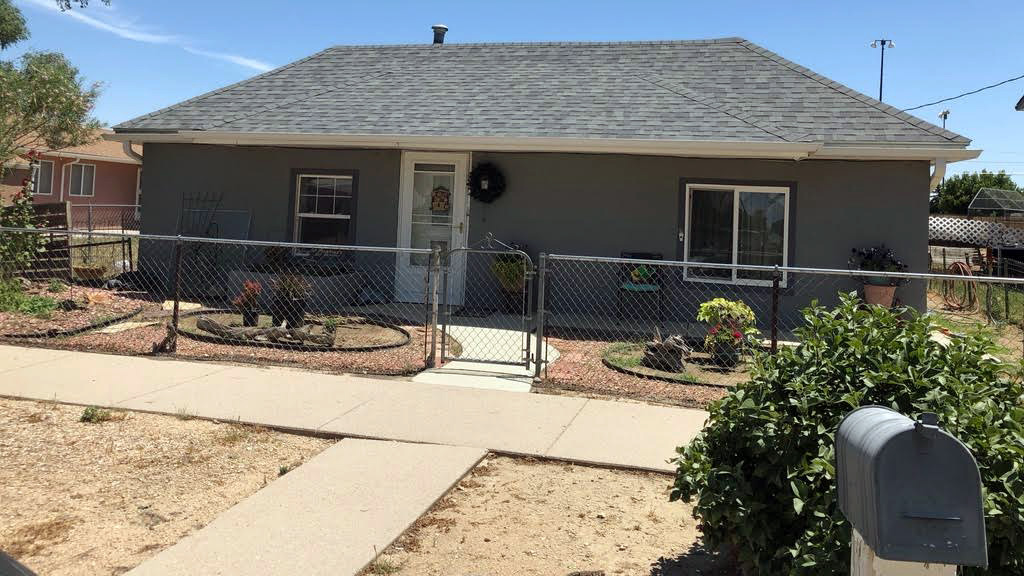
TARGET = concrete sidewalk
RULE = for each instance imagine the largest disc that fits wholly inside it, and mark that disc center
(570, 428)
(329, 516)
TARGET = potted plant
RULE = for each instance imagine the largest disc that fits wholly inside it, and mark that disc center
(247, 302)
(510, 271)
(290, 293)
(731, 325)
(879, 288)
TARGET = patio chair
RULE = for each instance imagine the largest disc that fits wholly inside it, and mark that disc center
(641, 285)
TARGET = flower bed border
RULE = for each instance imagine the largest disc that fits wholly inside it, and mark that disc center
(195, 335)
(684, 381)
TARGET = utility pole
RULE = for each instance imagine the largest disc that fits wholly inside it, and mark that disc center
(886, 43)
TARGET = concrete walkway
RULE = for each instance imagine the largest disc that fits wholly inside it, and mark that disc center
(564, 427)
(335, 512)
(490, 345)
(329, 516)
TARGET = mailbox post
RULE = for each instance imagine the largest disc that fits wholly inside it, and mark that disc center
(912, 493)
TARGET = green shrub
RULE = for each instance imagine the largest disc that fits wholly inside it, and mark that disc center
(14, 299)
(762, 473)
(56, 286)
(94, 415)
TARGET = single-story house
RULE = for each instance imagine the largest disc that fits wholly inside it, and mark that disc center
(701, 150)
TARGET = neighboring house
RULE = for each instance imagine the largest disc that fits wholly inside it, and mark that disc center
(96, 173)
(706, 150)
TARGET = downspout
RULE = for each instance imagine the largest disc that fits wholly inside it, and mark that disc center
(938, 173)
(72, 163)
(129, 152)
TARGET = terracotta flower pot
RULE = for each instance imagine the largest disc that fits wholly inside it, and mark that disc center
(879, 295)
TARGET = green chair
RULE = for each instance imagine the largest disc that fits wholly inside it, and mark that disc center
(640, 284)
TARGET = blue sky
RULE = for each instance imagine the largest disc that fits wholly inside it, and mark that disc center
(150, 53)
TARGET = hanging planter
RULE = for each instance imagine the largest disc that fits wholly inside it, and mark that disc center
(486, 182)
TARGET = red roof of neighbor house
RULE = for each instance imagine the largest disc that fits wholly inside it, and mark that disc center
(98, 148)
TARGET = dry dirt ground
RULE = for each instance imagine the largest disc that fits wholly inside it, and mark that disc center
(99, 498)
(515, 516)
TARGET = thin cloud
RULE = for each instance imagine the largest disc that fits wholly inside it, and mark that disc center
(257, 65)
(131, 31)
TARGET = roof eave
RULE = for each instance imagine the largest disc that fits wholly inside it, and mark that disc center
(688, 148)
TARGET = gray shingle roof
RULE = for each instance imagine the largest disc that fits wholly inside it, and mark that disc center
(724, 89)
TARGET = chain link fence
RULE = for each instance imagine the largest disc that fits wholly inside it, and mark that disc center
(684, 333)
(106, 217)
(326, 307)
(674, 332)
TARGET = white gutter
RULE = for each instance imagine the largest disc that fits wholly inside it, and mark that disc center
(93, 157)
(687, 148)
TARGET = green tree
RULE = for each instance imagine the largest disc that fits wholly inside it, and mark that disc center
(955, 194)
(44, 103)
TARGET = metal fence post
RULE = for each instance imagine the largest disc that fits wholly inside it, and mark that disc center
(446, 315)
(538, 360)
(434, 279)
(172, 345)
(775, 309)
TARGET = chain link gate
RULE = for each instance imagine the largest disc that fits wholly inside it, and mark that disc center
(486, 311)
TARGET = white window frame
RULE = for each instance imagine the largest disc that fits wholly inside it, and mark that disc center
(736, 190)
(298, 202)
(81, 184)
(53, 166)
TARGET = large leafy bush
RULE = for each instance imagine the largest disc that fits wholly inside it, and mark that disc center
(762, 474)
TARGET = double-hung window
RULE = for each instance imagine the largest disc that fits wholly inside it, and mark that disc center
(741, 225)
(44, 178)
(83, 180)
(324, 209)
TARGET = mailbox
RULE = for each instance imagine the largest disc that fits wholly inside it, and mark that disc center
(911, 490)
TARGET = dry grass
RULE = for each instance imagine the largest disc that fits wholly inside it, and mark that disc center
(99, 498)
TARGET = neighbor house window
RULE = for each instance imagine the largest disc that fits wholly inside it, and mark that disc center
(743, 225)
(83, 179)
(324, 209)
(44, 178)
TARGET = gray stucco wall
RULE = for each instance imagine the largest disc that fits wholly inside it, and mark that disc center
(583, 204)
(261, 180)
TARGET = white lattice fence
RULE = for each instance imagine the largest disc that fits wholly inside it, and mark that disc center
(972, 232)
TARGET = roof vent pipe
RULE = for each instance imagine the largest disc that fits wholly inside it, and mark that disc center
(439, 30)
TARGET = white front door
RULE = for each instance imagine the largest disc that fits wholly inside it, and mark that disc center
(432, 214)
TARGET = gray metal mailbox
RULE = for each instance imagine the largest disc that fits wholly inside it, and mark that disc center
(911, 490)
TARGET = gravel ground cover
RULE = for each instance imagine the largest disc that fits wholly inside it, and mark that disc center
(403, 360)
(580, 369)
(100, 497)
(91, 306)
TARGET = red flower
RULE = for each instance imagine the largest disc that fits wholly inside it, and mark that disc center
(737, 335)
(24, 182)
(714, 329)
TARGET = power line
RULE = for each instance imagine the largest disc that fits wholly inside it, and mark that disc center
(966, 93)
